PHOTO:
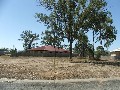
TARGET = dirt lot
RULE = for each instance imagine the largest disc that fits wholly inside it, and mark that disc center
(43, 68)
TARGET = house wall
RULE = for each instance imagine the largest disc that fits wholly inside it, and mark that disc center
(2, 53)
(115, 55)
(44, 54)
(50, 54)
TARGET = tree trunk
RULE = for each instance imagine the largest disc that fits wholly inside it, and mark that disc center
(70, 49)
(83, 50)
(93, 44)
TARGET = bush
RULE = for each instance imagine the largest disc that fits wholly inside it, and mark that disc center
(13, 52)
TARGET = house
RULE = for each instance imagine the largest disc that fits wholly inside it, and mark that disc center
(48, 51)
(2, 53)
(115, 54)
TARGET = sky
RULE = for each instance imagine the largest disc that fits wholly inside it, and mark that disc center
(18, 15)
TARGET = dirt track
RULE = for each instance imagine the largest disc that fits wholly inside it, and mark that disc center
(43, 68)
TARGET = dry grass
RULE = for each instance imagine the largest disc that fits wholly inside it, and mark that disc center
(43, 68)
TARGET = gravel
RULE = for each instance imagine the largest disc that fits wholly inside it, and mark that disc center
(39, 68)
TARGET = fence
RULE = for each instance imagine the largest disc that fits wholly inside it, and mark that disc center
(45, 54)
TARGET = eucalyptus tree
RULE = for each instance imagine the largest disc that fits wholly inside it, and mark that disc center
(68, 17)
(28, 39)
(101, 24)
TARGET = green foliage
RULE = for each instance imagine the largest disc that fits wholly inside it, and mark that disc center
(13, 52)
(28, 39)
(100, 52)
(69, 17)
(101, 23)
(82, 46)
(51, 38)
(4, 51)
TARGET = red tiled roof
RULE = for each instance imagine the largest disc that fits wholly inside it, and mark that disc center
(48, 48)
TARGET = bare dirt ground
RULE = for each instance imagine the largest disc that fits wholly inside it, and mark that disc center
(35, 68)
